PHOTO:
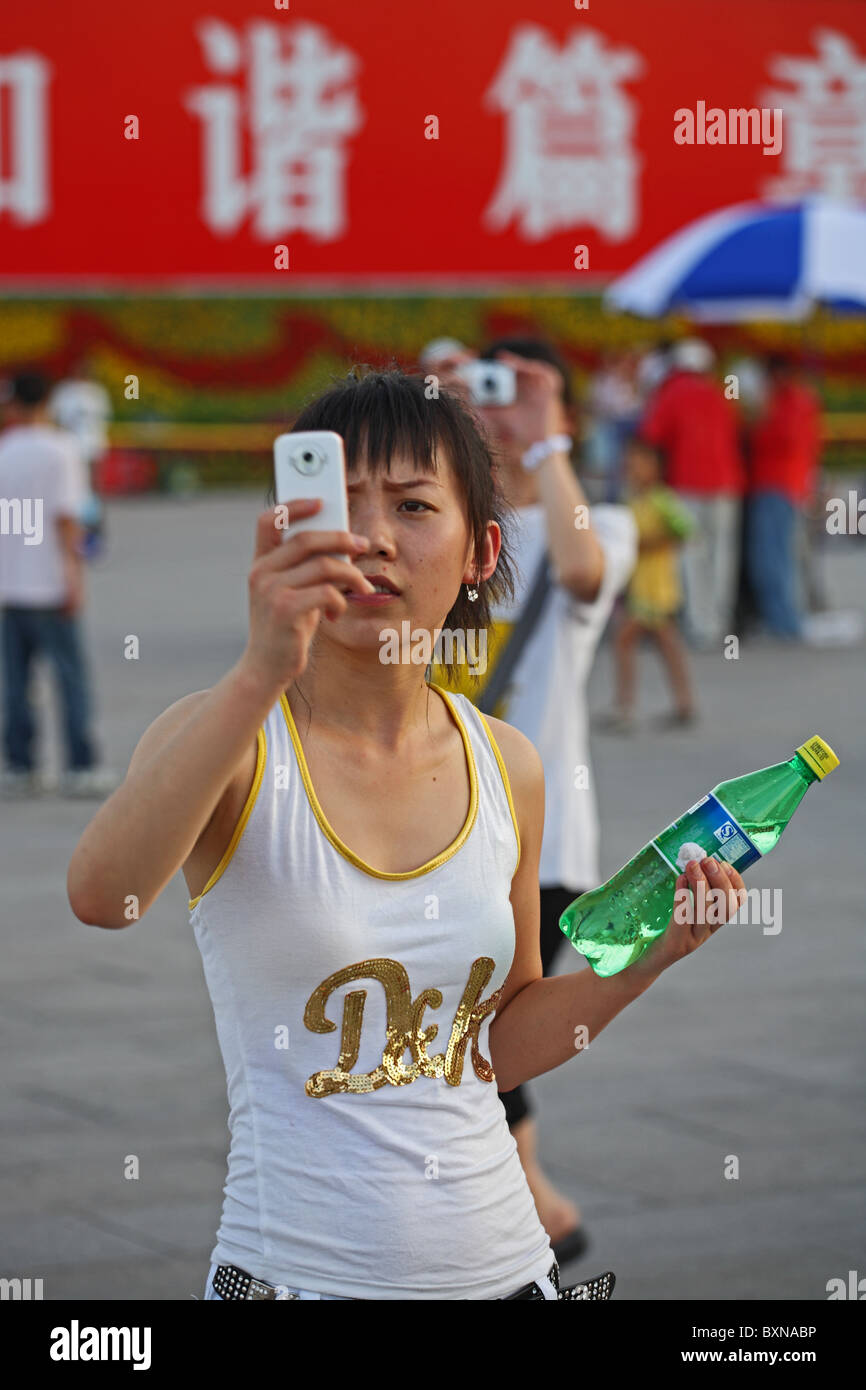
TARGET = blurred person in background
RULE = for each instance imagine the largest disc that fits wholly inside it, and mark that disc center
(751, 387)
(83, 407)
(43, 485)
(751, 382)
(653, 366)
(615, 406)
(692, 422)
(785, 449)
(654, 593)
(591, 553)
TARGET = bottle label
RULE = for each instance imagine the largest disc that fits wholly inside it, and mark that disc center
(708, 826)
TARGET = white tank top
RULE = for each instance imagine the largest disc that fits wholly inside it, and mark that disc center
(370, 1155)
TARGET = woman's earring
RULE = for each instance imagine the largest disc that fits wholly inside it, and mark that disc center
(471, 593)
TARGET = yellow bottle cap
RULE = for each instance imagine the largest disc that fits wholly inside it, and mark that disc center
(819, 756)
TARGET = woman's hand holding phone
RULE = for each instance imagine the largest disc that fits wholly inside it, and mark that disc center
(291, 584)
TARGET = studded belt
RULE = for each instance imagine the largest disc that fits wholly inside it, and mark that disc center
(601, 1287)
(230, 1282)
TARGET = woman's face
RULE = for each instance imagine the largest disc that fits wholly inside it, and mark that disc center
(420, 547)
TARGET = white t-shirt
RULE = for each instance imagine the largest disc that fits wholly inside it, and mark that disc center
(547, 699)
(42, 478)
(83, 408)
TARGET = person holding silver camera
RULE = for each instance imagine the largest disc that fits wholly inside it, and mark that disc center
(572, 562)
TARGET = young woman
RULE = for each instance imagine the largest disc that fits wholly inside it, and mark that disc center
(361, 852)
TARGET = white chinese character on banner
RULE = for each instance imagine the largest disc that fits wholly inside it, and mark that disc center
(569, 158)
(24, 78)
(824, 121)
(295, 113)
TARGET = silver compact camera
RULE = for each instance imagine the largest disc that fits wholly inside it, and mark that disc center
(490, 383)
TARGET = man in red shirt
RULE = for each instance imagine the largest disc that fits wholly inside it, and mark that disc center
(785, 451)
(695, 426)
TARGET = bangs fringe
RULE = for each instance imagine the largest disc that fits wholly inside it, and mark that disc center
(379, 420)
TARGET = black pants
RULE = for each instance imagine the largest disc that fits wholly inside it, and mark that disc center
(554, 901)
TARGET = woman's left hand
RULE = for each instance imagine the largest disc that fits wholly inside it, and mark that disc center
(689, 928)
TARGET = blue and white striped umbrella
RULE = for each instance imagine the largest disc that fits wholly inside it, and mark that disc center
(754, 260)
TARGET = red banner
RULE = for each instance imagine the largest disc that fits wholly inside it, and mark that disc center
(464, 142)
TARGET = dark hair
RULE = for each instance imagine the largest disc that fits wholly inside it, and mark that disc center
(380, 414)
(538, 350)
(30, 388)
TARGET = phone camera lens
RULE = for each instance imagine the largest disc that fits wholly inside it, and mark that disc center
(309, 460)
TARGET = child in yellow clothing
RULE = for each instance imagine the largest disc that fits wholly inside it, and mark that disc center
(654, 594)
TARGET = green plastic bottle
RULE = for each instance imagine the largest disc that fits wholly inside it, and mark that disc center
(739, 822)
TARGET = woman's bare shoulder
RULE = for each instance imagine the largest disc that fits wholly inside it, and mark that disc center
(164, 727)
(522, 763)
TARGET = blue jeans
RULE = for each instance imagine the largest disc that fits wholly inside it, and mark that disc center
(26, 634)
(771, 559)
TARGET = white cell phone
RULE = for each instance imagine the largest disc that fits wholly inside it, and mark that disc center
(312, 463)
(490, 383)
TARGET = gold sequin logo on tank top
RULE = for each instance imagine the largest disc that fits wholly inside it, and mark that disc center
(403, 1026)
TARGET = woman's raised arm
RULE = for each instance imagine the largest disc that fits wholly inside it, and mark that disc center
(185, 761)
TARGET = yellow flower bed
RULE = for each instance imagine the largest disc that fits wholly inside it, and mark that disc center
(29, 332)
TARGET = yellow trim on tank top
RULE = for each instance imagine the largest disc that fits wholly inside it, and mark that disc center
(261, 756)
(343, 848)
(501, 761)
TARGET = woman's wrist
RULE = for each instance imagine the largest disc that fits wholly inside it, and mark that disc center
(646, 969)
(546, 448)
